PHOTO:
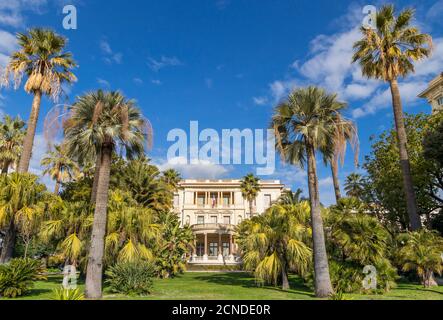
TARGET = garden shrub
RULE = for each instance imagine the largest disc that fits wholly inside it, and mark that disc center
(17, 277)
(130, 278)
(67, 294)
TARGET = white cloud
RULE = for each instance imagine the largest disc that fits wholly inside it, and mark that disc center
(280, 88)
(382, 98)
(110, 55)
(156, 82)
(325, 182)
(201, 170)
(260, 101)
(11, 11)
(8, 44)
(103, 83)
(157, 64)
(138, 81)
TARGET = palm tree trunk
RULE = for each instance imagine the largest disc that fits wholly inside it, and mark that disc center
(57, 187)
(284, 277)
(5, 167)
(323, 287)
(9, 243)
(30, 133)
(334, 167)
(95, 182)
(94, 271)
(414, 219)
(250, 208)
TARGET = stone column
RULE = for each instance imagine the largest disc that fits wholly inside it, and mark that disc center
(231, 248)
(220, 248)
(194, 250)
(205, 256)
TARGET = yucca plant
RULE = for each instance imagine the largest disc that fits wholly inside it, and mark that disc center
(17, 277)
(130, 278)
(67, 294)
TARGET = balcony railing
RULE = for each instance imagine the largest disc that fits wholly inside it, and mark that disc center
(218, 226)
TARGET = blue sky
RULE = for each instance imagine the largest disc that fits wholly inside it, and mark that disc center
(224, 63)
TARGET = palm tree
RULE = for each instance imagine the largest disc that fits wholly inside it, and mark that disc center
(304, 123)
(346, 131)
(19, 197)
(145, 183)
(101, 122)
(250, 187)
(11, 141)
(131, 229)
(388, 53)
(272, 244)
(290, 198)
(421, 251)
(47, 67)
(68, 225)
(171, 177)
(354, 186)
(59, 166)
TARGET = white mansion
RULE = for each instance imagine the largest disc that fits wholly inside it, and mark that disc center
(213, 208)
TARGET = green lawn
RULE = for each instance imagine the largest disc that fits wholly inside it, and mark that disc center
(219, 286)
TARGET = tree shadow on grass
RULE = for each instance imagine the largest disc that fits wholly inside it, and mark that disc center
(245, 280)
(429, 290)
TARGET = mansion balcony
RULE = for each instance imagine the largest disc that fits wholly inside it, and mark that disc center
(214, 244)
(213, 228)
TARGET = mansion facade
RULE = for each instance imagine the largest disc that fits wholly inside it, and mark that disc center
(212, 208)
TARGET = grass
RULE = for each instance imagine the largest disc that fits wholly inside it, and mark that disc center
(234, 286)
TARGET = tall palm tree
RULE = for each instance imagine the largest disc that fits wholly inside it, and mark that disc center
(250, 187)
(11, 141)
(19, 196)
(102, 122)
(47, 66)
(388, 53)
(59, 166)
(304, 123)
(354, 185)
(274, 243)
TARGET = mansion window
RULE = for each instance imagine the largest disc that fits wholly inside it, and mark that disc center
(200, 249)
(176, 200)
(227, 220)
(267, 201)
(200, 220)
(200, 199)
(213, 249)
(440, 101)
(213, 219)
(225, 249)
